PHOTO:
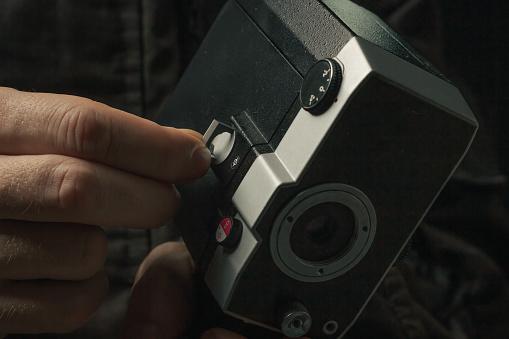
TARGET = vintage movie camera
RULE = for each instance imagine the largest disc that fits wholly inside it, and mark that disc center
(331, 139)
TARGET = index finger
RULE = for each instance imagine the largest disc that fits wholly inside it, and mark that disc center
(41, 123)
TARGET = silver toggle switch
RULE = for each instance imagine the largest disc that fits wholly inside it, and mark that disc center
(220, 139)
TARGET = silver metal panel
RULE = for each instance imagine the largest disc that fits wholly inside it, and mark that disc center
(273, 175)
(226, 266)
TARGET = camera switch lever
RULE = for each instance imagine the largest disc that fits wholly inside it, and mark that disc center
(220, 139)
(228, 146)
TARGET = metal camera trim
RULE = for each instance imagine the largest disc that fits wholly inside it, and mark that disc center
(364, 233)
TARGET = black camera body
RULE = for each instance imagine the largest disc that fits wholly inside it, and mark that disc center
(331, 139)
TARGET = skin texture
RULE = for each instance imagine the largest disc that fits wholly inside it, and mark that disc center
(69, 166)
(162, 299)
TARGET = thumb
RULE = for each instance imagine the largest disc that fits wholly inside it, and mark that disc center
(162, 298)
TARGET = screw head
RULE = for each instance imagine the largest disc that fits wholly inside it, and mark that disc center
(296, 323)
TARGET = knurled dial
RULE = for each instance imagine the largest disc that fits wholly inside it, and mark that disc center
(321, 86)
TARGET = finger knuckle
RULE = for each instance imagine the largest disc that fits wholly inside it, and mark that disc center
(82, 130)
(74, 184)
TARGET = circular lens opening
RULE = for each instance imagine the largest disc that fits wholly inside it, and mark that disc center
(323, 232)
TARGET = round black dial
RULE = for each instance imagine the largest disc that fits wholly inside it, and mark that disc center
(320, 86)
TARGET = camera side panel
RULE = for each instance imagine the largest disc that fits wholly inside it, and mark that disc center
(395, 139)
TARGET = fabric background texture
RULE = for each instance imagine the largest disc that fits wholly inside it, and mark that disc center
(129, 54)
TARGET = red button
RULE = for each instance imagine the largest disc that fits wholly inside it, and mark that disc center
(223, 230)
(229, 232)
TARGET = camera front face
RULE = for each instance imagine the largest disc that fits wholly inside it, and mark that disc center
(328, 153)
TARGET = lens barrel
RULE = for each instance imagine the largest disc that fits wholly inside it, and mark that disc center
(323, 232)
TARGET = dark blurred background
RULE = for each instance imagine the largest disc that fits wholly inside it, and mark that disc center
(130, 53)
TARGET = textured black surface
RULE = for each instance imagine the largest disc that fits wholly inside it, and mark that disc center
(370, 27)
(236, 70)
(304, 31)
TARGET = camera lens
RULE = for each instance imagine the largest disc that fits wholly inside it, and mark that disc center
(323, 233)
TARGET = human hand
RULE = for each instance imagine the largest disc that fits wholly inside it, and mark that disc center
(67, 166)
(162, 299)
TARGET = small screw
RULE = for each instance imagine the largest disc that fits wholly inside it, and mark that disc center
(296, 322)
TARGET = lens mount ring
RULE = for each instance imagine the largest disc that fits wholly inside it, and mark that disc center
(365, 229)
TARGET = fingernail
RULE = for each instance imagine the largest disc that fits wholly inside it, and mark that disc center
(201, 160)
(143, 330)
